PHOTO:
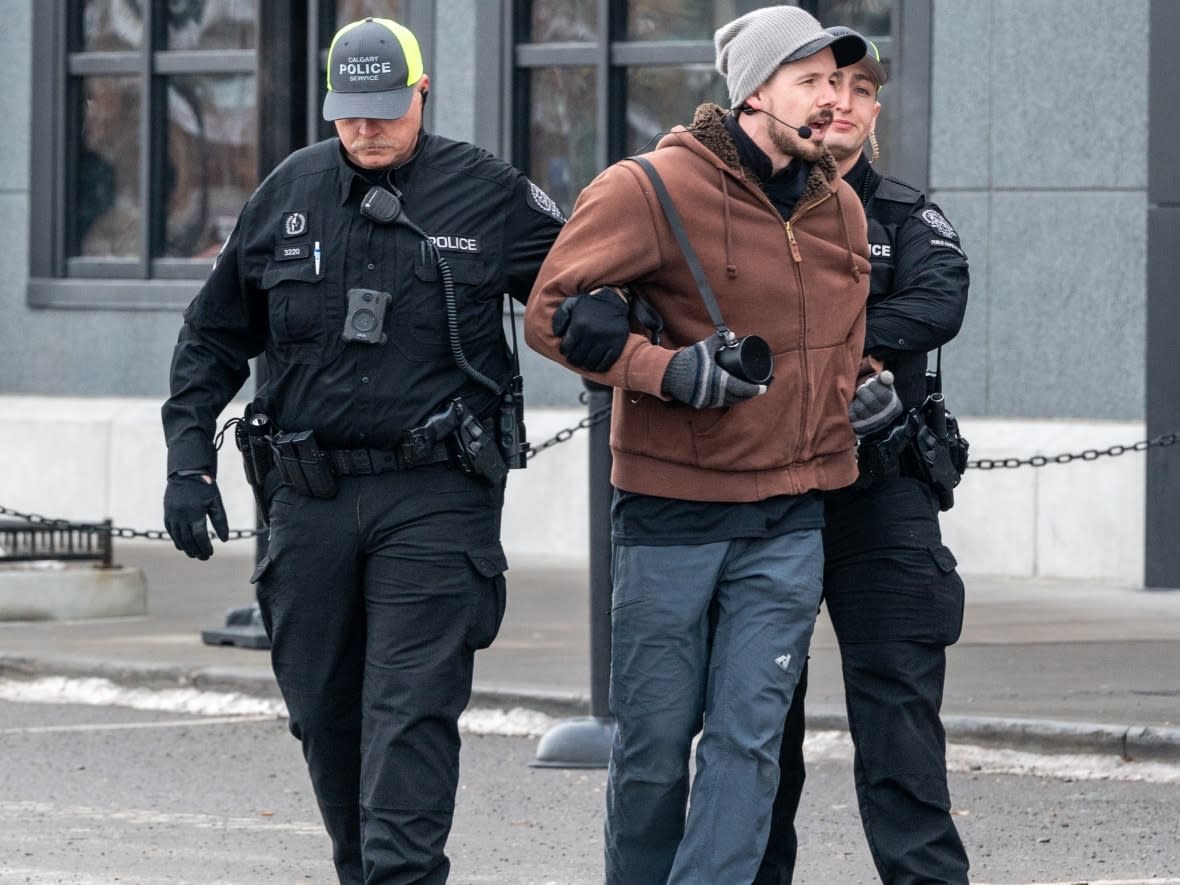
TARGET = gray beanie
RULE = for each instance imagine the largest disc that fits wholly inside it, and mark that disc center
(751, 48)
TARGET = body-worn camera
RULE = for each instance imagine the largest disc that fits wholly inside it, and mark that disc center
(365, 320)
(748, 358)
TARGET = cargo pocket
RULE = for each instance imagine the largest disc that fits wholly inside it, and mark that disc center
(944, 559)
(261, 585)
(949, 599)
(487, 609)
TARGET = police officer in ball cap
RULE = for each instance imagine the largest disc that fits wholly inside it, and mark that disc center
(369, 269)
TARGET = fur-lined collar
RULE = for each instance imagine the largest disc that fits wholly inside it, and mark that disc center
(708, 128)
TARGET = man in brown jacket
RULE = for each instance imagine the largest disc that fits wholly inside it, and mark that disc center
(717, 513)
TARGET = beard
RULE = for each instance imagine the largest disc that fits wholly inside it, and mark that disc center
(789, 142)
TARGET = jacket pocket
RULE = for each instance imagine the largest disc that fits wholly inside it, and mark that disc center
(832, 381)
(490, 598)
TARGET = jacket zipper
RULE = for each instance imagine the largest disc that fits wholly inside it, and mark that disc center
(805, 406)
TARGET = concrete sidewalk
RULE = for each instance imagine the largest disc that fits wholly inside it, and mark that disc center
(1046, 665)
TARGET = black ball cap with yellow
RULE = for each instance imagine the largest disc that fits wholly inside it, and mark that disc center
(373, 65)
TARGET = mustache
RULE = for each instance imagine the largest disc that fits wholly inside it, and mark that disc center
(824, 117)
(369, 144)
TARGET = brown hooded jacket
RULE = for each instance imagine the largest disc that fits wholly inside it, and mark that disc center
(799, 283)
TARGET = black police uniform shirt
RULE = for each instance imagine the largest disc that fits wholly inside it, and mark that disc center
(300, 244)
(918, 292)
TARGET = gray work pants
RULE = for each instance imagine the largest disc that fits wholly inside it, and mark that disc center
(707, 638)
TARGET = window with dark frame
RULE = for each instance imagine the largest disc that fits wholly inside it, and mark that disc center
(159, 134)
(597, 80)
(146, 142)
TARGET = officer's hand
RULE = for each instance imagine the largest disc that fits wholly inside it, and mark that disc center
(693, 377)
(875, 405)
(188, 500)
(593, 328)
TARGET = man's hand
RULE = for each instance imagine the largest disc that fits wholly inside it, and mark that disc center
(875, 405)
(593, 328)
(188, 500)
(693, 377)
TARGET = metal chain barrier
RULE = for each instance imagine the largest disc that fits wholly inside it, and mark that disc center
(113, 531)
(563, 435)
(1166, 439)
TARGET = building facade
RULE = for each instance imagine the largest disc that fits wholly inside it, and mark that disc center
(137, 128)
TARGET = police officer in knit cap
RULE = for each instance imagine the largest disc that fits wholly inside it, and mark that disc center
(370, 270)
(718, 474)
(890, 585)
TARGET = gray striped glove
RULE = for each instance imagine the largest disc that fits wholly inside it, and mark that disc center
(693, 377)
(875, 405)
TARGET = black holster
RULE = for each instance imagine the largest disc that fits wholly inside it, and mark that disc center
(939, 453)
(476, 448)
(924, 444)
(879, 456)
(472, 445)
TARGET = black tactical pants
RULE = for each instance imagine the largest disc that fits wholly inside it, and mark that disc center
(375, 602)
(896, 603)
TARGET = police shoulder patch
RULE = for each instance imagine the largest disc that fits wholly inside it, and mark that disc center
(936, 222)
(543, 203)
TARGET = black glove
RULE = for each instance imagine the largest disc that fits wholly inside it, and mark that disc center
(693, 377)
(188, 500)
(875, 405)
(593, 328)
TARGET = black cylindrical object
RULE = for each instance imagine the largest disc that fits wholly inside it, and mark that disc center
(748, 358)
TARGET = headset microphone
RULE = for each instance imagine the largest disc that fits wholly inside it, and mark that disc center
(804, 131)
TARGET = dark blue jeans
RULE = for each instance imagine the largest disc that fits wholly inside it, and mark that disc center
(375, 603)
(713, 635)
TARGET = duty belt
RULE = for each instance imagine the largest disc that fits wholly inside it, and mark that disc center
(367, 462)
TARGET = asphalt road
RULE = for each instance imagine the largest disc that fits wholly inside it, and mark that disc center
(97, 795)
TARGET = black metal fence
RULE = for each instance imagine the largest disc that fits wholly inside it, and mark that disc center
(32, 542)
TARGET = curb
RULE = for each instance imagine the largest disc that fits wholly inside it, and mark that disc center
(1132, 743)
(159, 676)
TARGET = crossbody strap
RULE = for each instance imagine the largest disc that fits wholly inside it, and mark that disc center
(690, 255)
